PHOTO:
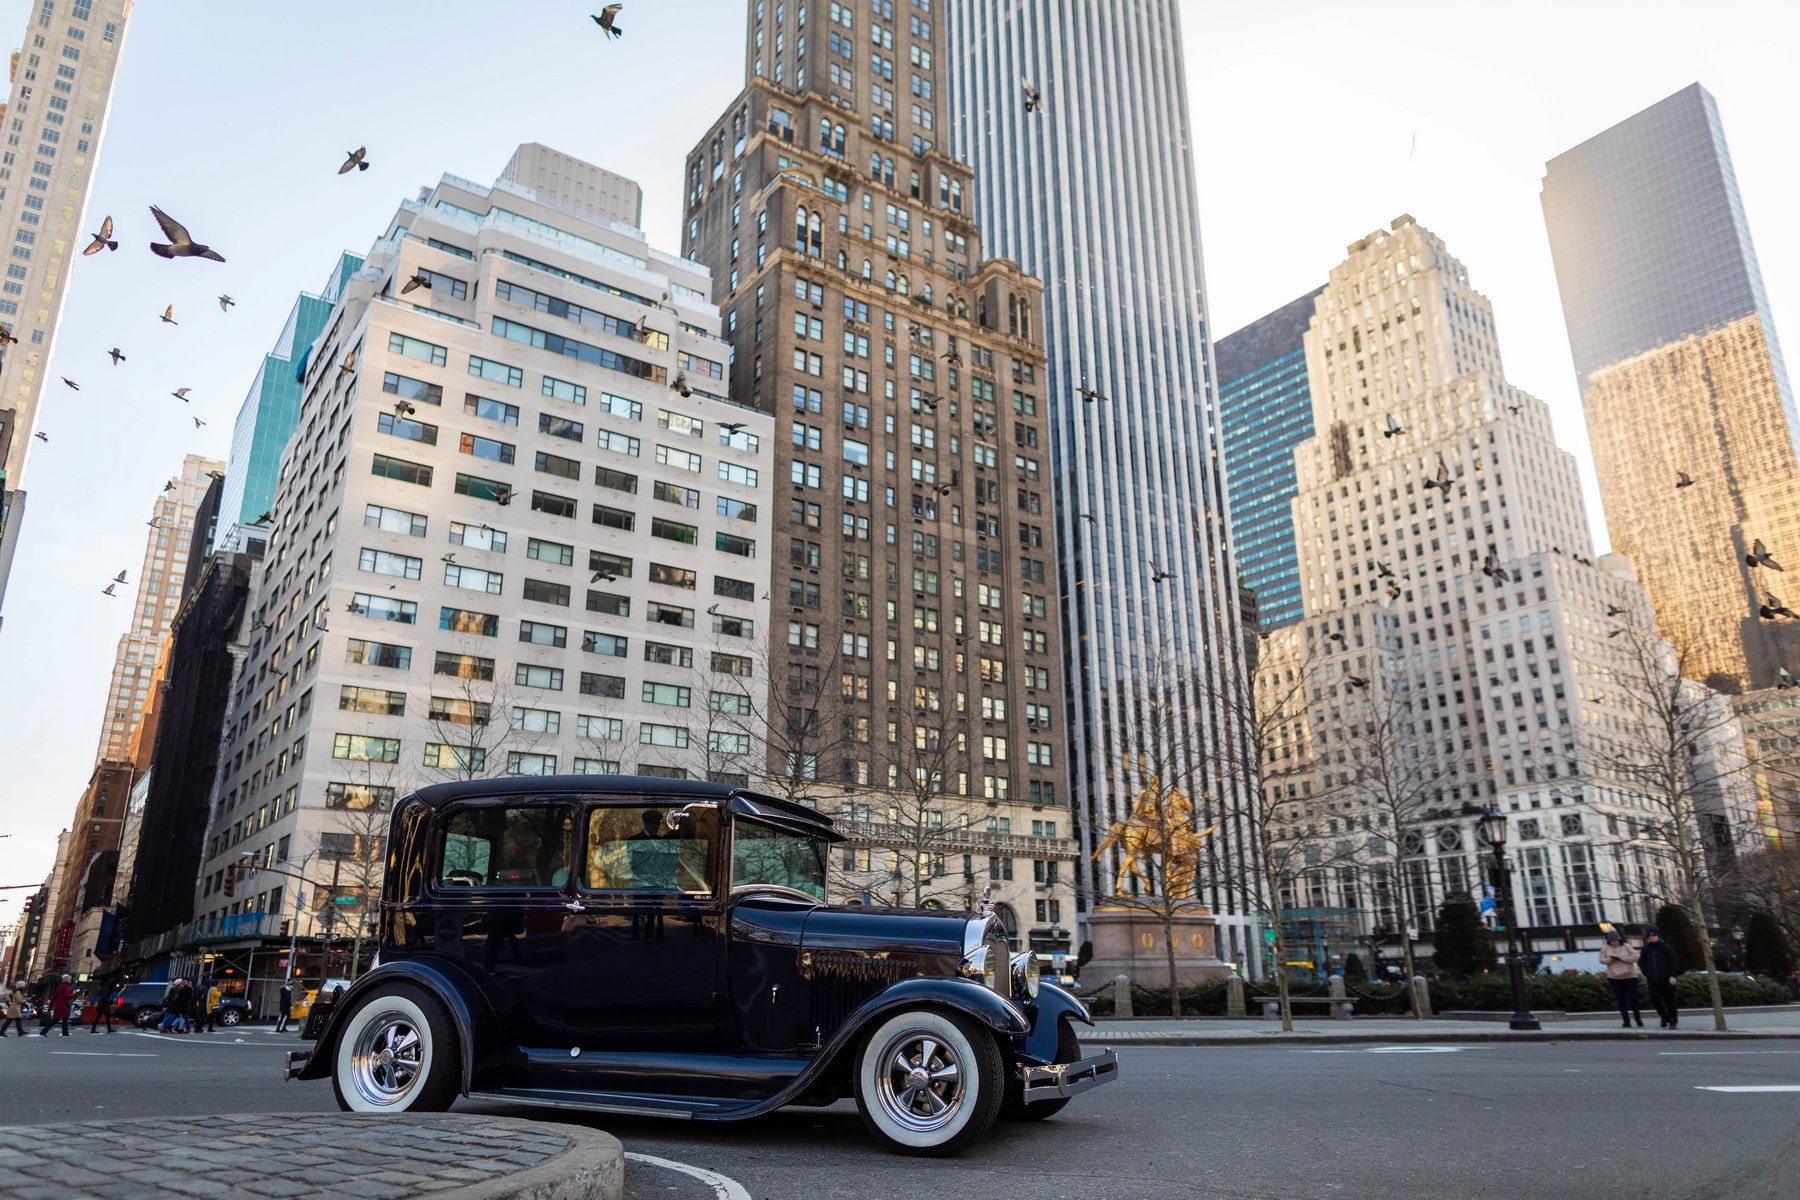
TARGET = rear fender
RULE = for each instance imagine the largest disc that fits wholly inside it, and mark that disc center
(471, 1014)
(1046, 1012)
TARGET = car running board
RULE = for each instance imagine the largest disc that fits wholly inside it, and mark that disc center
(679, 1107)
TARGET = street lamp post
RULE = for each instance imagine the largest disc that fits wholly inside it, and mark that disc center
(1492, 828)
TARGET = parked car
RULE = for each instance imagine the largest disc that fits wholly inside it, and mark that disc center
(654, 946)
(142, 1004)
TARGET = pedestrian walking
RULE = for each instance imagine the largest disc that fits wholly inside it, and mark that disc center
(170, 1013)
(1660, 965)
(213, 996)
(287, 1005)
(61, 1001)
(1620, 963)
(187, 1009)
(103, 1006)
(12, 1008)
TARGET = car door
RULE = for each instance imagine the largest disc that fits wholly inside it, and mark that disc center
(643, 949)
(496, 901)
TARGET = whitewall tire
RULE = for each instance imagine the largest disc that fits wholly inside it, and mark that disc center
(396, 1052)
(929, 1082)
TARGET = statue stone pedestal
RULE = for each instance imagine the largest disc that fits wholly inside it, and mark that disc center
(1130, 942)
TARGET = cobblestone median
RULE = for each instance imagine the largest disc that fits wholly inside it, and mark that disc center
(322, 1155)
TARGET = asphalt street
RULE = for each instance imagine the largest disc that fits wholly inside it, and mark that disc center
(1266, 1121)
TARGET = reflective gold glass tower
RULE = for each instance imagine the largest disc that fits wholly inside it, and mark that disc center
(1682, 379)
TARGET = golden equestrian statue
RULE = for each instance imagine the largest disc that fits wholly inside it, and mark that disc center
(1161, 824)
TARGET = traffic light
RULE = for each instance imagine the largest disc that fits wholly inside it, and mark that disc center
(231, 880)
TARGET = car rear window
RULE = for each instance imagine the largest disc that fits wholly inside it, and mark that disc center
(513, 847)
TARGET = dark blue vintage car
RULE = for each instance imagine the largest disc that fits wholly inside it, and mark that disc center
(659, 947)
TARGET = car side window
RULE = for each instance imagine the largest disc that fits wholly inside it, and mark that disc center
(634, 848)
(518, 847)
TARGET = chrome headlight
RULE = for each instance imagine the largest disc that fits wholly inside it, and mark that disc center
(1025, 973)
(983, 964)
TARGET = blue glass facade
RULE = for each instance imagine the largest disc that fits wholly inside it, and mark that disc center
(269, 413)
(1265, 410)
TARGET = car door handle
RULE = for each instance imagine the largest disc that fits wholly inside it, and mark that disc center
(575, 906)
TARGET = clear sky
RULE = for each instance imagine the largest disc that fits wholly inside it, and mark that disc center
(1315, 122)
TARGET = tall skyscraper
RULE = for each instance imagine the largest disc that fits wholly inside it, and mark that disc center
(1094, 194)
(62, 88)
(154, 594)
(1266, 410)
(542, 419)
(907, 376)
(265, 421)
(1681, 376)
(1451, 604)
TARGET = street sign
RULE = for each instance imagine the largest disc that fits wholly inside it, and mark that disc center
(1269, 936)
(343, 899)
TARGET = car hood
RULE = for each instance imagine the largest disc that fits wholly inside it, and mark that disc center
(858, 938)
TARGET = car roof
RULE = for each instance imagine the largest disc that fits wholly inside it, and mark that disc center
(741, 800)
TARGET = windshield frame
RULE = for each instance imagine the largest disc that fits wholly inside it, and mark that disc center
(818, 840)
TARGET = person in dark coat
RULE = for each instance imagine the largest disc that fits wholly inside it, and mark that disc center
(61, 1001)
(287, 1005)
(1660, 965)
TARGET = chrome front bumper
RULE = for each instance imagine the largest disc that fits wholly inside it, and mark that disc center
(296, 1063)
(1067, 1079)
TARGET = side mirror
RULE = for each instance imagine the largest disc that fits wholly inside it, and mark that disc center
(673, 818)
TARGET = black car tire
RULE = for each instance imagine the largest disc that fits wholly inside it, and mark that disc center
(929, 1082)
(396, 1052)
(1068, 1049)
(229, 1017)
(146, 1017)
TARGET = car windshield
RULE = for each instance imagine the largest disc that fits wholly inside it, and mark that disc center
(769, 855)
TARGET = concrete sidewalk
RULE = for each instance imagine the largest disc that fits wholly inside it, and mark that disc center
(334, 1155)
(1228, 1031)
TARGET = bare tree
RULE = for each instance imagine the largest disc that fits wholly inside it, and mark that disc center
(359, 866)
(1672, 751)
(470, 723)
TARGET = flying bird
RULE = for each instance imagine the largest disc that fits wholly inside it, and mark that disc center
(1090, 518)
(1444, 480)
(728, 428)
(930, 402)
(1090, 394)
(1613, 610)
(1393, 427)
(169, 486)
(153, 523)
(1613, 633)
(353, 607)
(603, 576)
(1759, 555)
(1775, 608)
(944, 489)
(681, 384)
(449, 558)
(71, 384)
(1493, 570)
(1393, 591)
(225, 303)
(419, 280)
(404, 408)
(198, 423)
(1157, 574)
(116, 356)
(41, 436)
(1034, 100)
(267, 517)
(108, 590)
(181, 244)
(181, 394)
(6, 337)
(168, 316)
(1336, 636)
(607, 21)
(119, 578)
(348, 366)
(1683, 479)
(1513, 409)
(1784, 680)
(1357, 681)
(1384, 569)
(504, 497)
(355, 160)
(952, 357)
(102, 240)
(712, 610)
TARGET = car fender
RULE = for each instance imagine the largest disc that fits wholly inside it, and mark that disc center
(962, 995)
(470, 1012)
(1051, 1005)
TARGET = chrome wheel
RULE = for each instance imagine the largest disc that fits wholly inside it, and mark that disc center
(387, 1059)
(921, 1086)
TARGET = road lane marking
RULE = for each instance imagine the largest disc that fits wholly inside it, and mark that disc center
(1397, 1050)
(1766, 1087)
(101, 1054)
(1711, 1053)
(724, 1187)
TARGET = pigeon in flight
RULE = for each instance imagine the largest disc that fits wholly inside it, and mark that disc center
(503, 497)
(1613, 610)
(1393, 591)
(729, 428)
(1784, 680)
(952, 357)
(1384, 569)
(102, 240)
(1775, 608)
(1393, 427)
(6, 337)
(71, 384)
(1613, 633)
(1493, 570)
(108, 590)
(168, 316)
(608, 21)
(930, 402)
(419, 280)
(1157, 574)
(1090, 518)
(180, 244)
(1357, 681)
(353, 607)
(119, 578)
(1683, 479)
(1513, 409)
(267, 517)
(181, 394)
(944, 489)
(712, 610)
(1444, 480)
(404, 408)
(1034, 100)
(1337, 636)
(603, 576)
(348, 366)
(449, 558)
(116, 356)
(225, 303)
(681, 384)
(41, 436)
(169, 486)
(1090, 394)
(355, 160)
(198, 423)
(1759, 555)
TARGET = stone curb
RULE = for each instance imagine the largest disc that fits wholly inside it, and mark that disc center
(1427, 1037)
(590, 1167)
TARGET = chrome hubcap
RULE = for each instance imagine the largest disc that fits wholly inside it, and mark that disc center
(920, 1086)
(388, 1058)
